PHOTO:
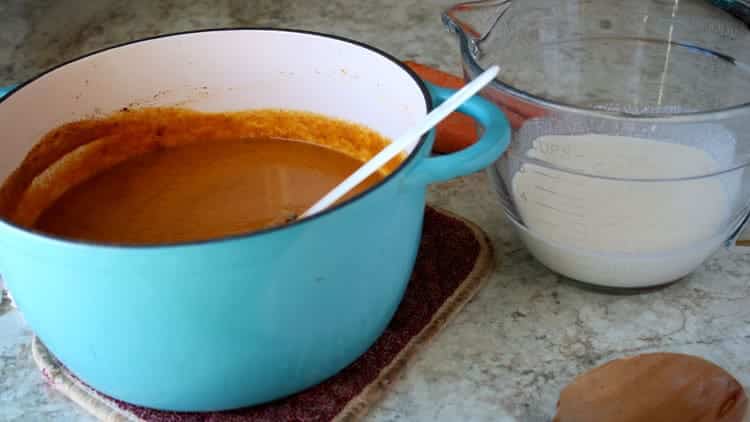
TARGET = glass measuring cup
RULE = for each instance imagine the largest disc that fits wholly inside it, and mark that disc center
(631, 130)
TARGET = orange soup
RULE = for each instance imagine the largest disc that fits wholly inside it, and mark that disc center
(162, 175)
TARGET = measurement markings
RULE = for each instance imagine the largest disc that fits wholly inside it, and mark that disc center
(546, 175)
(578, 199)
(566, 212)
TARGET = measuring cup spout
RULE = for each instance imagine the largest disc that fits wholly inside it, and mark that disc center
(475, 20)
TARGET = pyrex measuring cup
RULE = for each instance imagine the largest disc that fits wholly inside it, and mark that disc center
(631, 130)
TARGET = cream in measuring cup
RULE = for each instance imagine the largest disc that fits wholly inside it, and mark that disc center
(637, 232)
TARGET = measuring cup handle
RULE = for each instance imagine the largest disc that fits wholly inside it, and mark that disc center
(735, 236)
(4, 90)
(494, 140)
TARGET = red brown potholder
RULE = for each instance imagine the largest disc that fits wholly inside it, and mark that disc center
(453, 260)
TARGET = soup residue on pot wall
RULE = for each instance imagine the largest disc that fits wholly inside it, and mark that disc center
(76, 155)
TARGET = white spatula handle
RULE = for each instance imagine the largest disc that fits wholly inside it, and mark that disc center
(402, 142)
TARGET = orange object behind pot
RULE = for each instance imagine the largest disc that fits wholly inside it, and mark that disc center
(459, 131)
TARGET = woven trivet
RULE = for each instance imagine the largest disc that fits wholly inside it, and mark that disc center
(454, 259)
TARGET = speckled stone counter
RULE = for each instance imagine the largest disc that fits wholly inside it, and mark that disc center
(527, 333)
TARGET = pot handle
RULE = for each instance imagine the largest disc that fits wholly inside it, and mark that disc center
(494, 140)
(4, 90)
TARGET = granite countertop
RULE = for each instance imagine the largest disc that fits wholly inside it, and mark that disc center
(526, 334)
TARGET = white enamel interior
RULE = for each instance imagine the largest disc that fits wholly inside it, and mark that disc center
(217, 71)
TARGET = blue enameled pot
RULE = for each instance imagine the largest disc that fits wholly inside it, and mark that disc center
(242, 320)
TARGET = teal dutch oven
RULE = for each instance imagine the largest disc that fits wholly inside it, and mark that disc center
(242, 320)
